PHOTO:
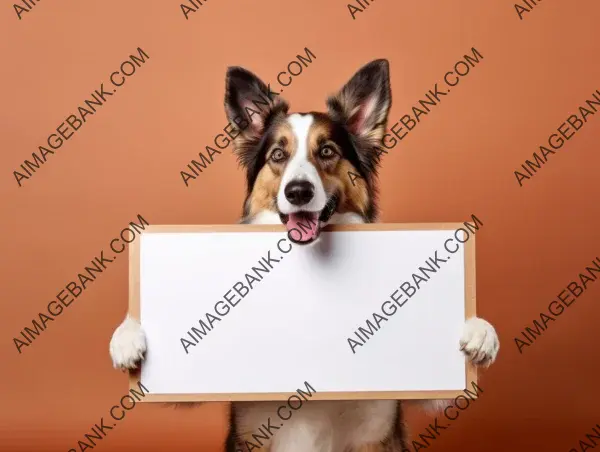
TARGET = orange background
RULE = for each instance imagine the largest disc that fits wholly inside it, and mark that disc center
(459, 160)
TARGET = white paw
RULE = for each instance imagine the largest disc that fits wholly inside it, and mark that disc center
(128, 344)
(479, 342)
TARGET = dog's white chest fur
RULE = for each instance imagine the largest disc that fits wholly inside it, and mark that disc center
(318, 426)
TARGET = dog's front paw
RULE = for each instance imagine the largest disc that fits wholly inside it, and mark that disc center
(128, 344)
(479, 342)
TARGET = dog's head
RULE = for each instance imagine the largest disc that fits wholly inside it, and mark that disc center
(308, 169)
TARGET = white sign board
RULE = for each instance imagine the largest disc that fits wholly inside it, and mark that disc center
(241, 313)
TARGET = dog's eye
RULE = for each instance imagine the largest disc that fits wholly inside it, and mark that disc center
(326, 152)
(278, 155)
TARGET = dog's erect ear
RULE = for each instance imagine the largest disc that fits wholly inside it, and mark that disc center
(364, 102)
(249, 102)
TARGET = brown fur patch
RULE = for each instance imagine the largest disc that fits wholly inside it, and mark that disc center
(264, 194)
(355, 197)
(319, 132)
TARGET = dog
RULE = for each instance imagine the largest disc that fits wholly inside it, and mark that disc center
(297, 169)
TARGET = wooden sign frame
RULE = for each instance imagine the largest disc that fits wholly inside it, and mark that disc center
(470, 311)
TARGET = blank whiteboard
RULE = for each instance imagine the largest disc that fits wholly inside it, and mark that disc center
(293, 325)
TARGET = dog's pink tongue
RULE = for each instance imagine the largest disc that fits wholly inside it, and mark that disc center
(301, 228)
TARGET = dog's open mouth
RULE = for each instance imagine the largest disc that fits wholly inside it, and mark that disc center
(305, 227)
(302, 227)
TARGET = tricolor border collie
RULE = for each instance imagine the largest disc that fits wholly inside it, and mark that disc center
(297, 169)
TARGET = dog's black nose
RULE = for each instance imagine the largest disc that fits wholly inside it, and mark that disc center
(299, 192)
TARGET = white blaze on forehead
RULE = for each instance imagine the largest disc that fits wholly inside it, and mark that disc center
(300, 167)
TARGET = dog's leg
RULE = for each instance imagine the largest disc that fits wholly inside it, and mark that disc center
(480, 343)
(128, 344)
